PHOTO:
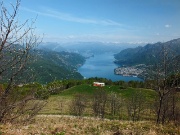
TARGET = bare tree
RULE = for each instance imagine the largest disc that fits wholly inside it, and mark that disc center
(99, 102)
(165, 75)
(135, 105)
(17, 42)
(78, 105)
(115, 104)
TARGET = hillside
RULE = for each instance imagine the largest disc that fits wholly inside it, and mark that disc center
(148, 54)
(67, 95)
(51, 65)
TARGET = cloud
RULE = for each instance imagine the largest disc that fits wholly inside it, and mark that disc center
(157, 34)
(71, 18)
(167, 26)
(92, 38)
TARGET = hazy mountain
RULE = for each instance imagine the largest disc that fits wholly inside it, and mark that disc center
(88, 48)
(51, 46)
(147, 54)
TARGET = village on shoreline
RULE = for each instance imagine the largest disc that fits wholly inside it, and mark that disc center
(133, 71)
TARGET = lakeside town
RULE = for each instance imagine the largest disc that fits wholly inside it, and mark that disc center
(130, 71)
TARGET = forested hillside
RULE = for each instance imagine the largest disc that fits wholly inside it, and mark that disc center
(51, 65)
(148, 54)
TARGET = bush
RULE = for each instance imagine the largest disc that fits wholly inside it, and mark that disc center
(42, 94)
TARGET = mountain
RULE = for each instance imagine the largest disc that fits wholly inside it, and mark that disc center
(87, 49)
(51, 65)
(148, 54)
(52, 46)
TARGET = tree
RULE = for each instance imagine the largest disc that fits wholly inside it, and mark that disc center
(115, 103)
(135, 105)
(99, 102)
(78, 104)
(55, 87)
(165, 76)
(17, 42)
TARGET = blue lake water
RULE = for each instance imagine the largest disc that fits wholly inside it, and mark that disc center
(102, 65)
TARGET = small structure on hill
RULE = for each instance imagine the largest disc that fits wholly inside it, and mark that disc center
(98, 84)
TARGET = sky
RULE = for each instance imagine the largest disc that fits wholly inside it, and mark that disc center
(117, 21)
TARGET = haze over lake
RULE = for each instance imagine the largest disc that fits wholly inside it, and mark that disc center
(101, 65)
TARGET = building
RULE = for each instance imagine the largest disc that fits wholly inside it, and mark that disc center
(98, 84)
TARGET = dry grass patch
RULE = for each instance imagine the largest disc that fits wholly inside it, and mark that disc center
(56, 105)
(69, 125)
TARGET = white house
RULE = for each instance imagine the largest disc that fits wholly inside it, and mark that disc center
(98, 84)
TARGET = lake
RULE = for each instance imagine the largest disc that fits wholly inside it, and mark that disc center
(102, 65)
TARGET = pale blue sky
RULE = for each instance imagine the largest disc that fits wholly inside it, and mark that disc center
(104, 20)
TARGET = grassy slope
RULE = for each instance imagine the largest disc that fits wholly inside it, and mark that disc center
(58, 104)
(62, 125)
(90, 90)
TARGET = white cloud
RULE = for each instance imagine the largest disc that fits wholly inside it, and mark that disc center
(167, 26)
(157, 34)
(92, 38)
(71, 18)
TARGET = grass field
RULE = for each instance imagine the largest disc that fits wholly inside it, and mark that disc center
(54, 119)
(59, 104)
(90, 90)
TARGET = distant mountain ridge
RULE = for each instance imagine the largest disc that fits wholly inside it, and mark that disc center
(147, 54)
(87, 48)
